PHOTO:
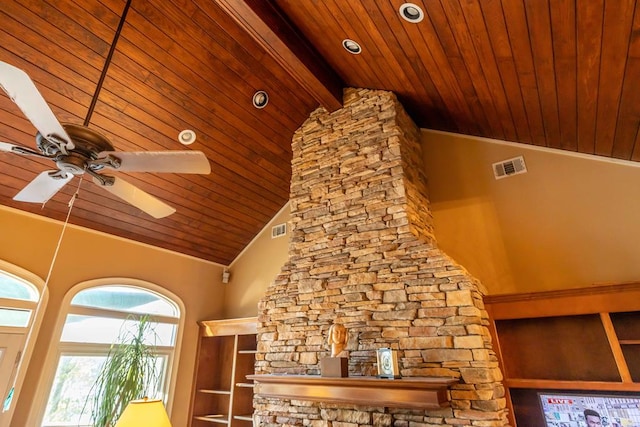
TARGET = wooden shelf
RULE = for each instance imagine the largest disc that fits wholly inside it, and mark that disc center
(571, 385)
(247, 351)
(214, 391)
(246, 385)
(219, 419)
(243, 417)
(414, 392)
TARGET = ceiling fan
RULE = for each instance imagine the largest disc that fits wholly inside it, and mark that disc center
(77, 149)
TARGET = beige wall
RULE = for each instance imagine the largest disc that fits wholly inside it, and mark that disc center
(571, 221)
(28, 241)
(256, 268)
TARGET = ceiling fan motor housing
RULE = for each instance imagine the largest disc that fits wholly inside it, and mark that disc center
(87, 145)
(88, 141)
(73, 163)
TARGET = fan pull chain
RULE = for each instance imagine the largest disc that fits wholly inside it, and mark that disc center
(64, 227)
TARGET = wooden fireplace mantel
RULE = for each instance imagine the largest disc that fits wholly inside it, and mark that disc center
(413, 392)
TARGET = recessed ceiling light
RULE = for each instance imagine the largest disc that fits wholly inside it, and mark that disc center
(260, 99)
(187, 137)
(411, 12)
(351, 46)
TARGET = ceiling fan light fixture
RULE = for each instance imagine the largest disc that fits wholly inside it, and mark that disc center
(352, 46)
(411, 13)
(187, 137)
(260, 99)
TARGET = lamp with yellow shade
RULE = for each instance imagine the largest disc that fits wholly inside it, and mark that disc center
(144, 412)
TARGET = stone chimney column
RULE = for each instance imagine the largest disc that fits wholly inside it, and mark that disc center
(363, 253)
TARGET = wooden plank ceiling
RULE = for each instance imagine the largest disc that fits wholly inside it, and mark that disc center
(557, 73)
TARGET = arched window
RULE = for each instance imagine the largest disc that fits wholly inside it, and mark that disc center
(18, 301)
(21, 302)
(95, 319)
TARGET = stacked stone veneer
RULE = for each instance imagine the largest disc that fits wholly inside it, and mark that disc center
(362, 253)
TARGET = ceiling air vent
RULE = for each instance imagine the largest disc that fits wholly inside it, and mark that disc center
(509, 167)
(278, 230)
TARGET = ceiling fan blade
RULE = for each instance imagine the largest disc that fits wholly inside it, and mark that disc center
(21, 89)
(43, 187)
(5, 146)
(138, 198)
(20, 149)
(161, 161)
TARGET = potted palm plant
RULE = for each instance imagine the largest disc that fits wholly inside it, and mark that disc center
(129, 372)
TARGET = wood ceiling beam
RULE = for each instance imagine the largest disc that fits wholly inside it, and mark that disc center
(266, 24)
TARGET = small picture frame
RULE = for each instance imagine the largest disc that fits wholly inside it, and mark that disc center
(388, 363)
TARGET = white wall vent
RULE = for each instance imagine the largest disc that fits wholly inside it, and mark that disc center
(278, 230)
(509, 167)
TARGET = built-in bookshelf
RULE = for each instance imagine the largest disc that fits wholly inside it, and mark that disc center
(585, 340)
(226, 355)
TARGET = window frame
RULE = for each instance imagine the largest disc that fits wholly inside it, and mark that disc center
(31, 330)
(90, 350)
(56, 347)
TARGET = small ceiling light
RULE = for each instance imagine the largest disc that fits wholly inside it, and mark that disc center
(411, 13)
(351, 46)
(187, 137)
(260, 99)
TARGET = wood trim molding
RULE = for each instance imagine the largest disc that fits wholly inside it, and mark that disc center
(597, 299)
(413, 392)
(596, 289)
(269, 28)
(242, 326)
